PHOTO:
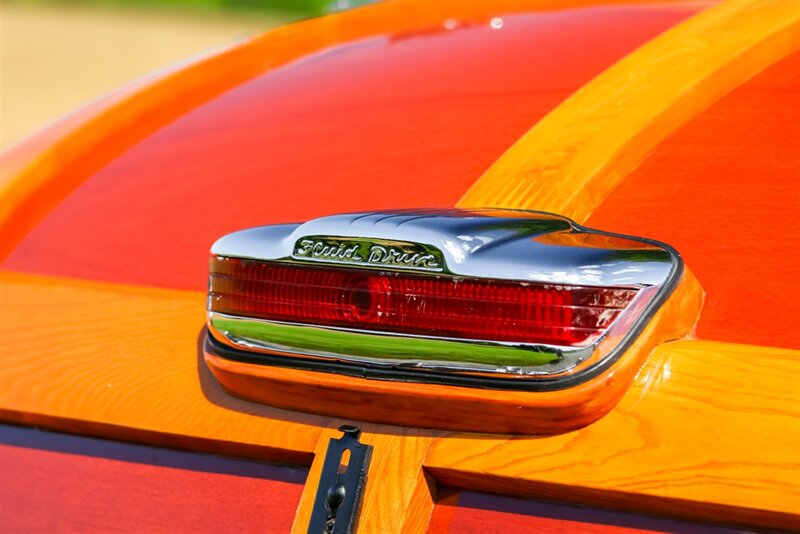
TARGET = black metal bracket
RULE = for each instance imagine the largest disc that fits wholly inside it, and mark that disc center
(340, 490)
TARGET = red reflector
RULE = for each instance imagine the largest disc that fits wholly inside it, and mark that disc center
(428, 305)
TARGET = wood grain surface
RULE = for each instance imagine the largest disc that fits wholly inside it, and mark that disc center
(387, 139)
(732, 202)
(123, 362)
(708, 431)
(398, 497)
(574, 157)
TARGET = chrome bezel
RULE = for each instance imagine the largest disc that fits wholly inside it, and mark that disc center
(369, 353)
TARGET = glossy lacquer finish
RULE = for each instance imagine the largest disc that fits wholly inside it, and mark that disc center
(736, 420)
(468, 512)
(741, 190)
(407, 113)
(707, 430)
(51, 482)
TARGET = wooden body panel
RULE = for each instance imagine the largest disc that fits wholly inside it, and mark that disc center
(571, 160)
(733, 211)
(88, 367)
(400, 496)
(686, 440)
(708, 430)
(689, 439)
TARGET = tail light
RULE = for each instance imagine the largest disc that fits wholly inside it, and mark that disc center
(501, 299)
(419, 305)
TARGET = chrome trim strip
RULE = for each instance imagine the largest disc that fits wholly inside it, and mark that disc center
(389, 349)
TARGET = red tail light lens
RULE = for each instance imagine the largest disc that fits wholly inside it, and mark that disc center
(426, 305)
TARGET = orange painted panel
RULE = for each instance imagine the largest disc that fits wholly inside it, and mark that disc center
(480, 513)
(409, 118)
(580, 152)
(724, 192)
(58, 483)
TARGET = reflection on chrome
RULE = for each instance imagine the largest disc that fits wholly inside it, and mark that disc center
(458, 245)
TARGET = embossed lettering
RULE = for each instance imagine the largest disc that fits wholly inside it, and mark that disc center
(427, 260)
(376, 254)
(325, 251)
(390, 256)
(304, 247)
(354, 251)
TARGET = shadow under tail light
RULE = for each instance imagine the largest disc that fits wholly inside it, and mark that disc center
(439, 318)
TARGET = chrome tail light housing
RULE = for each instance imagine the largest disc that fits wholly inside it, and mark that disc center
(490, 298)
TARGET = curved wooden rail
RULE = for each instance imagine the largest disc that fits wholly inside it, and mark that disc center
(574, 157)
(708, 431)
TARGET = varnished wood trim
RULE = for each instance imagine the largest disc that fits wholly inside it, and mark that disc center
(708, 431)
(398, 495)
(160, 438)
(123, 362)
(574, 157)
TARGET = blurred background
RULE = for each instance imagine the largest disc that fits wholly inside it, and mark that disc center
(57, 55)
